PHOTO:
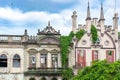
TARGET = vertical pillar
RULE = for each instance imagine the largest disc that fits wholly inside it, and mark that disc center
(49, 59)
(59, 60)
(37, 60)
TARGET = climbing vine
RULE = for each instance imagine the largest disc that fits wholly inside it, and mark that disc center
(94, 34)
(66, 42)
(79, 34)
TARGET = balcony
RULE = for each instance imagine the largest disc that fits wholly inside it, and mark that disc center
(44, 71)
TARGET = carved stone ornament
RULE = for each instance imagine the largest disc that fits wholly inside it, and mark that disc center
(106, 42)
(83, 42)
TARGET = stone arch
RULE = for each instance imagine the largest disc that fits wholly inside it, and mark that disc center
(32, 78)
(43, 78)
(54, 78)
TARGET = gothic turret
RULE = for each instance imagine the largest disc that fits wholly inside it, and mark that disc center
(101, 20)
(115, 25)
(88, 13)
(25, 32)
(74, 21)
(88, 20)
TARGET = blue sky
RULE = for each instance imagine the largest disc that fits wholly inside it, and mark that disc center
(18, 15)
(38, 5)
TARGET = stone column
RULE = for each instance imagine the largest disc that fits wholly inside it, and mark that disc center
(49, 59)
(37, 60)
(59, 60)
(8, 65)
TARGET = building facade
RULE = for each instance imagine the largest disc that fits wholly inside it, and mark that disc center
(106, 46)
(24, 57)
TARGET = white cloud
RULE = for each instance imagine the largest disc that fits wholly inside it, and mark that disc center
(22, 20)
(60, 21)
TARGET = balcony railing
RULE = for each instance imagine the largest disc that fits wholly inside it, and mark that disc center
(44, 71)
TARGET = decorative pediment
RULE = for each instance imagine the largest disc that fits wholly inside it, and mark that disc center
(43, 51)
(32, 51)
(54, 51)
(49, 30)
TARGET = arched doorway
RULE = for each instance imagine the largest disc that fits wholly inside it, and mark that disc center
(54, 79)
(32, 78)
(43, 78)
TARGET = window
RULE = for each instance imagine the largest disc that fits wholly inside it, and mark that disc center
(54, 60)
(32, 60)
(3, 60)
(110, 55)
(95, 55)
(16, 61)
(81, 58)
(43, 60)
(98, 41)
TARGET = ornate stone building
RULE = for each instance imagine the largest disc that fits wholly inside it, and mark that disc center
(106, 46)
(24, 57)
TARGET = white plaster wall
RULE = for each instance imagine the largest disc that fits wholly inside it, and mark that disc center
(11, 76)
(10, 52)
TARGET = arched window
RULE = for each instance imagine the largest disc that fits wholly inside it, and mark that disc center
(3, 60)
(16, 61)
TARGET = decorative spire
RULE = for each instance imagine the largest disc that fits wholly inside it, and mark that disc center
(101, 13)
(49, 23)
(88, 12)
(38, 30)
(25, 33)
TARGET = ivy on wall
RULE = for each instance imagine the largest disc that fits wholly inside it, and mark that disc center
(94, 34)
(66, 42)
(79, 34)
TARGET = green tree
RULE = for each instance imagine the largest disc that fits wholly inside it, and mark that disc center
(100, 70)
(67, 73)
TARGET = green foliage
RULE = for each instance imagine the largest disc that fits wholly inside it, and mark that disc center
(66, 42)
(79, 34)
(94, 34)
(118, 33)
(100, 70)
(109, 52)
(67, 74)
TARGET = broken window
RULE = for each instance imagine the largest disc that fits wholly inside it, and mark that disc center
(3, 60)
